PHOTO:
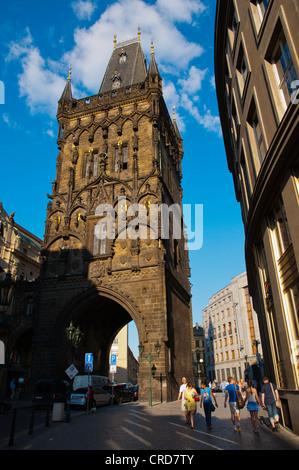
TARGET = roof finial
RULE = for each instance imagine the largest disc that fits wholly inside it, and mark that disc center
(70, 73)
(139, 32)
(152, 46)
(173, 113)
(114, 40)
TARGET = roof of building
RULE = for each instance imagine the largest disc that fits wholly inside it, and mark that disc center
(126, 65)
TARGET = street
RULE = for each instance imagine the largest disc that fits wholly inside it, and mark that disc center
(138, 427)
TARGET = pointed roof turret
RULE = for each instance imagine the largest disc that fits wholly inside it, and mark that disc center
(153, 67)
(67, 92)
(175, 124)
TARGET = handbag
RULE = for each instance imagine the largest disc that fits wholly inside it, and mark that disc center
(277, 402)
(240, 402)
(196, 398)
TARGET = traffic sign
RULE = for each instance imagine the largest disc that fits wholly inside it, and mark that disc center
(112, 369)
(113, 359)
(88, 362)
(71, 371)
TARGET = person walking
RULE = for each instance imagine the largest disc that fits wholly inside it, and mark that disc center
(253, 405)
(206, 399)
(269, 398)
(223, 386)
(231, 395)
(182, 398)
(90, 400)
(190, 403)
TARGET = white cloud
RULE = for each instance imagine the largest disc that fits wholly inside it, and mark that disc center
(193, 83)
(207, 120)
(93, 46)
(181, 11)
(83, 9)
(41, 81)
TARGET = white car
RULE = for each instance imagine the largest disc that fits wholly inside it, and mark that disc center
(101, 397)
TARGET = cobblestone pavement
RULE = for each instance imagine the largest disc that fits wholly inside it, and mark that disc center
(138, 427)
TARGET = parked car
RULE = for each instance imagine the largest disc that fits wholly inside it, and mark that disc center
(134, 391)
(78, 397)
(49, 391)
(100, 395)
(120, 392)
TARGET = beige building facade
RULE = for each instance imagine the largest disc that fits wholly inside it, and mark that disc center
(126, 363)
(232, 338)
(257, 71)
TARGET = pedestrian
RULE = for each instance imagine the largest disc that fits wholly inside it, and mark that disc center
(231, 395)
(206, 399)
(223, 386)
(270, 397)
(182, 398)
(253, 405)
(242, 387)
(90, 400)
(190, 403)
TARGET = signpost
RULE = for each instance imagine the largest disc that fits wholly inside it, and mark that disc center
(88, 362)
(113, 358)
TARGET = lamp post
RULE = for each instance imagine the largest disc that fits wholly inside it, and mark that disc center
(73, 336)
(149, 359)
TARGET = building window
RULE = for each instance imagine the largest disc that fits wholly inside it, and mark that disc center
(95, 164)
(87, 165)
(282, 75)
(279, 227)
(245, 177)
(116, 160)
(125, 158)
(235, 122)
(256, 136)
(242, 70)
(233, 26)
(100, 237)
(29, 306)
(121, 158)
(284, 68)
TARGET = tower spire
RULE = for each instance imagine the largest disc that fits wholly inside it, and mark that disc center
(67, 92)
(153, 68)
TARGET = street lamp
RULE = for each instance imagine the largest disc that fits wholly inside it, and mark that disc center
(149, 359)
(73, 336)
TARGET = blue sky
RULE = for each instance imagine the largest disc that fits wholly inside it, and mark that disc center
(39, 42)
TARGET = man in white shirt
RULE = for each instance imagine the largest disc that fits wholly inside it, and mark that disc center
(181, 397)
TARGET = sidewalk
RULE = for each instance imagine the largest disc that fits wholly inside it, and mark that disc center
(136, 426)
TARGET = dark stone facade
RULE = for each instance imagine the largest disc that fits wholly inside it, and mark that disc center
(117, 146)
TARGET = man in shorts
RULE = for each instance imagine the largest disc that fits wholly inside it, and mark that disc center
(182, 398)
(231, 396)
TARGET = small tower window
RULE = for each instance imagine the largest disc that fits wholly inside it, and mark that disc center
(116, 80)
(122, 57)
(125, 157)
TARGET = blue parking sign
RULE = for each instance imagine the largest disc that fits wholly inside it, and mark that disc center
(88, 362)
(113, 360)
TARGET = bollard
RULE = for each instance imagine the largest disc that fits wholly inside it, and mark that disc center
(32, 420)
(13, 426)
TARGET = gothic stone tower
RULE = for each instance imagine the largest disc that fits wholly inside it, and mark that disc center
(116, 149)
